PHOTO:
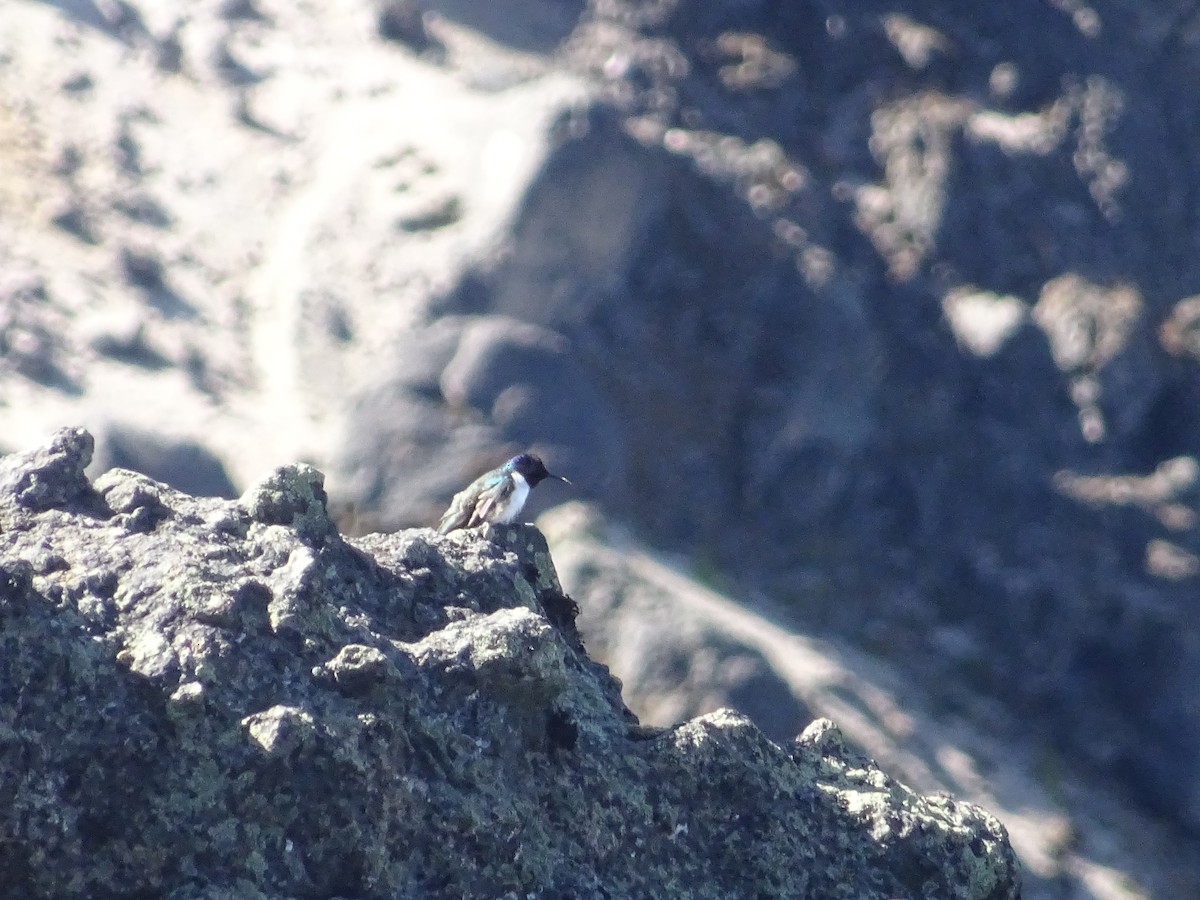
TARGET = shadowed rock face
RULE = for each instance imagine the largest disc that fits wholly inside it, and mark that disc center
(204, 696)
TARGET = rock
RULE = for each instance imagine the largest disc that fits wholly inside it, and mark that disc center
(52, 476)
(403, 21)
(293, 496)
(529, 25)
(527, 383)
(459, 396)
(185, 465)
(402, 452)
(682, 647)
(427, 724)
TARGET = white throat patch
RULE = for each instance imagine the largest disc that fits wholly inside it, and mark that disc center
(515, 502)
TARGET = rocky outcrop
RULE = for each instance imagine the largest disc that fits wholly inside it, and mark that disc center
(214, 698)
(684, 647)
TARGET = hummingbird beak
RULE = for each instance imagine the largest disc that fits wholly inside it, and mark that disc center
(561, 478)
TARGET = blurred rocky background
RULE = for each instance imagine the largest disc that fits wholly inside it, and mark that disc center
(868, 333)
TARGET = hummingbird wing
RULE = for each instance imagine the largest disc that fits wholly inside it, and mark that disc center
(490, 501)
(476, 503)
(456, 516)
(462, 506)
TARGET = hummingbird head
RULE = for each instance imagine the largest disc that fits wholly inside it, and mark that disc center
(532, 469)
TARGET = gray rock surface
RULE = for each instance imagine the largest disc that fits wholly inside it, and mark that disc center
(208, 698)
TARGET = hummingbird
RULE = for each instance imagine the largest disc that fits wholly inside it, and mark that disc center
(496, 496)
